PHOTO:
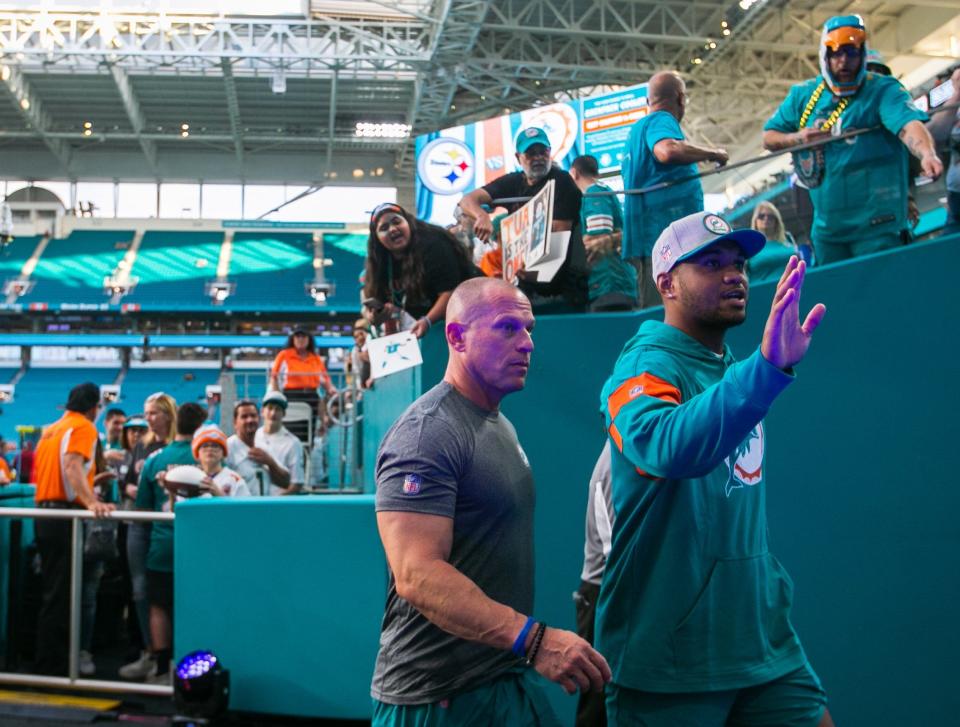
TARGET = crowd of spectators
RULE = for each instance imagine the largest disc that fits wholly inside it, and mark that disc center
(859, 188)
(125, 467)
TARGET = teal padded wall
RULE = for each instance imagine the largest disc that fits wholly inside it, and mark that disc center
(862, 497)
(289, 593)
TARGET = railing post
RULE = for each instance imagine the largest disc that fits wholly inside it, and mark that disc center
(76, 596)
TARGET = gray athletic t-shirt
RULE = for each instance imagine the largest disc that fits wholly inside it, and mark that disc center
(446, 456)
(599, 525)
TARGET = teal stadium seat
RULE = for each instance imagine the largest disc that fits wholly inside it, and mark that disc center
(271, 268)
(41, 394)
(182, 384)
(173, 268)
(72, 269)
(15, 255)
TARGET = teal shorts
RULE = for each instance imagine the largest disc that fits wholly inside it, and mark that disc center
(516, 698)
(794, 700)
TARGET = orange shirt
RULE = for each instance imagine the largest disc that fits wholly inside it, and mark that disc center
(5, 468)
(73, 433)
(293, 372)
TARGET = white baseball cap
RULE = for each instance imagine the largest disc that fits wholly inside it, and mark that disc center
(693, 233)
(275, 397)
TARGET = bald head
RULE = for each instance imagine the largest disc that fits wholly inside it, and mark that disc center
(489, 336)
(475, 296)
(665, 91)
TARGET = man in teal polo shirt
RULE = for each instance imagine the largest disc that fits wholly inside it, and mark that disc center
(859, 185)
(694, 612)
(152, 496)
(657, 152)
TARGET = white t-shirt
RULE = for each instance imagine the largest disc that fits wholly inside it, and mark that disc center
(256, 476)
(229, 481)
(287, 450)
(232, 484)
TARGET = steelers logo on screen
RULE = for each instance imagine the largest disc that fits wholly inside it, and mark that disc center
(446, 166)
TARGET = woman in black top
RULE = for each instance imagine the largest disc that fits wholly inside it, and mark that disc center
(411, 267)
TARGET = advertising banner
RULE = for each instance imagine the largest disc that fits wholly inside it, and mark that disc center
(454, 161)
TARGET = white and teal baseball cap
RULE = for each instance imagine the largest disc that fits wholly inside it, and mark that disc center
(693, 233)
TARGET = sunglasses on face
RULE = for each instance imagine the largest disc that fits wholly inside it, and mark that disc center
(850, 51)
(765, 216)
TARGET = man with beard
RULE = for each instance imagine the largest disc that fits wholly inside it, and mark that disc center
(859, 187)
(568, 289)
(694, 613)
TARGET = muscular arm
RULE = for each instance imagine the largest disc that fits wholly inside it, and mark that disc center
(675, 151)
(918, 140)
(776, 140)
(418, 546)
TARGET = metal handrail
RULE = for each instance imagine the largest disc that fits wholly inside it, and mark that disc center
(73, 680)
(723, 168)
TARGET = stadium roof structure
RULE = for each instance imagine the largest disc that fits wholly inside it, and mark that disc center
(329, 91)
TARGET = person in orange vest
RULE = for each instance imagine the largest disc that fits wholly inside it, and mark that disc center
(65, 479)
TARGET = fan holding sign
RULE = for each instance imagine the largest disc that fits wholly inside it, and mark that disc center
(559, 262)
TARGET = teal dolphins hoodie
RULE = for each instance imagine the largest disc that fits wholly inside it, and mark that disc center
(691, 598)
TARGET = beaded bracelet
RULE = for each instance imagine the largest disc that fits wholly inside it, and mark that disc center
(535, 646)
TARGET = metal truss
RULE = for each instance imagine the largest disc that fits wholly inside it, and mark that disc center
(31, 108)
(463, 60)
(165, 43)
(135, 114)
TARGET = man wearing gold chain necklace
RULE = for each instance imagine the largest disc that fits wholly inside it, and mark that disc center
(858, 185)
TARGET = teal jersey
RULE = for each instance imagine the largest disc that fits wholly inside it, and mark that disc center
(864, 189)
(600, 215)
(647, 215)
(691, 598)
(609, 274)
(151, 496)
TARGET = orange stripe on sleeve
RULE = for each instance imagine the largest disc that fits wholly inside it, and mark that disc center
(642, 385)
(618, 440)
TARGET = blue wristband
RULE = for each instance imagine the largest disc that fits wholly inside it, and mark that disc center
(522, 637)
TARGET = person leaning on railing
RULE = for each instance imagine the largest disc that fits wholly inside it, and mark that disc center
(411, 269)
(299, 372)
(858, 186)
(65, 479)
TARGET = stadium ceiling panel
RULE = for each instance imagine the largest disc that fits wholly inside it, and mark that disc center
(92, 93)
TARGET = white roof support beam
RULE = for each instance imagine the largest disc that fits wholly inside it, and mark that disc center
(132, 106)
(233, 109)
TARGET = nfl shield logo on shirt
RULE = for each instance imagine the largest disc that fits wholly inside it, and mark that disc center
(411, 484)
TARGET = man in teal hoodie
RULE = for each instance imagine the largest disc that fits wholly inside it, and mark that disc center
(694, 611)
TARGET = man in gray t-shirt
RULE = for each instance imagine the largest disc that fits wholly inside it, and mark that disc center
(455, 513)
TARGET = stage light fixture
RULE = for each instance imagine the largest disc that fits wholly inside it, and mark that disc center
(201, 687)
(220, 290)
(320, 291)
